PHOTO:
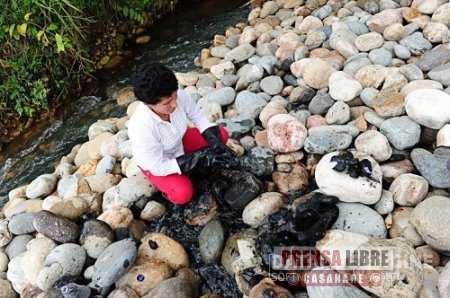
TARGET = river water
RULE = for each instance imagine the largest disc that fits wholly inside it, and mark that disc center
(176, 41)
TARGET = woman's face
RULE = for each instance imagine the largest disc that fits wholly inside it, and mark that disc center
(166, 105)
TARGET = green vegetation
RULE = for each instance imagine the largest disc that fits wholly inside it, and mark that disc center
(45, 47)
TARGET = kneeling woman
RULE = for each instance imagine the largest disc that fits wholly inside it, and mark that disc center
(164, 148)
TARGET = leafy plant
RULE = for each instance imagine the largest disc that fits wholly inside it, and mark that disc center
(44, 44)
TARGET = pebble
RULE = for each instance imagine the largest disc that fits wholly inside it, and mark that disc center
(428, 107)
(430, 219)
(375, 144)
(402, 132)
(261, 207)
(66, 259)
(386, 203)
(113, 262)
(409, 189)
(21, 224)
(211, 241)
(348, 189)
(432, 167)
(55, 227)
(361, 219)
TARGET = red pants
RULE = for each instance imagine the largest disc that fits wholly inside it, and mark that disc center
(178, 188)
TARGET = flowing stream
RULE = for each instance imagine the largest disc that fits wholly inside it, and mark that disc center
(176, 41)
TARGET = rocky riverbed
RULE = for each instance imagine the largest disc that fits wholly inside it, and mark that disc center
(340, 114)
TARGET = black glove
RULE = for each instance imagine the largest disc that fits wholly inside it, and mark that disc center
(199, 161)
(212, 136)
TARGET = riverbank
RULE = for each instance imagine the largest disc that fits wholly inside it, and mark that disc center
(349, 100)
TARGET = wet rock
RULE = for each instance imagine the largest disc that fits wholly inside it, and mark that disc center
(66, 259)
(161, 247)
(211, 242)
(358, 218)
(366, 190)
(95, 237)
(429, 219)
(435, 168)
(55, 227)
(114, 262)
(145, 276)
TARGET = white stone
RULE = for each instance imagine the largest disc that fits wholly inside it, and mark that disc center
(366, 190)
(375, 144)
(343, 86)
(42, 186)
(409, 189)
(428, 107)
(339, 113)
(443, 136)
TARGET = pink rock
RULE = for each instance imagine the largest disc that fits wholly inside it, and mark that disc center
(315, 120)
(285, 133)
(381, 20)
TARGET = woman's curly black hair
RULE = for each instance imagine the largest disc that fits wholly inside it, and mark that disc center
(153, 80)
